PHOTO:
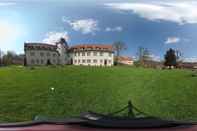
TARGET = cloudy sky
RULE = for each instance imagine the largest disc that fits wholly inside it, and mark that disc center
(154, 24)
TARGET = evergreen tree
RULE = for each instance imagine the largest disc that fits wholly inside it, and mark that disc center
(170, 58)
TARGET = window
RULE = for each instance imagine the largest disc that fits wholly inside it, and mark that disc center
(95, 60)
(54, 55)
(88, 61)
(75, 61)
(83, 53)
(48, 54)
(59, 61)
(32, 53)
(79, 61)
(88, 53)
(101, 61)
(37, 61)
(95, 53)
(41, 54)
(109, 54)
(42, 61)
(83, 61)
(32, 61)
(101, 53)
(79, 54)
(75, 53)
(109, 61)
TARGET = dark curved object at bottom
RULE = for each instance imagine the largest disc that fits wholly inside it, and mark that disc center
(104, 121)
(99, 122)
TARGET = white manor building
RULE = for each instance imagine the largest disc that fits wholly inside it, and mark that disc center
(61, 54)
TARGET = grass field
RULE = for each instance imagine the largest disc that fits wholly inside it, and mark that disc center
(25, 93)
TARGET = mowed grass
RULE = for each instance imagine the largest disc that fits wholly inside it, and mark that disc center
(25, 93)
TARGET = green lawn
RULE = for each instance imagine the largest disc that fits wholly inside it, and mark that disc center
(25, 93)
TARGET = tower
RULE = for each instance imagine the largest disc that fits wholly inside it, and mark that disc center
(62, 48)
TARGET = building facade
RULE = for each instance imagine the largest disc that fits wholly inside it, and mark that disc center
(93, 55)
(124, 60)
(60, 53)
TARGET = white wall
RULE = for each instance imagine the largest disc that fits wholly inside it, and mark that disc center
(41, 60)
(63, 54)
(63, 57)
(126, 62)
(78, 59)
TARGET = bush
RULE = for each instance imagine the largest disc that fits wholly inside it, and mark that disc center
(32, 68)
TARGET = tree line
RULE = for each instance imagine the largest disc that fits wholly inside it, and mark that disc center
(172, 58)
(10, 58)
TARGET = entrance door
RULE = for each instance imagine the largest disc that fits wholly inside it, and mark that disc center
(105, 62)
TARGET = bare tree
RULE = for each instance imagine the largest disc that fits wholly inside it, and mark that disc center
(118, 46)
(179, 55)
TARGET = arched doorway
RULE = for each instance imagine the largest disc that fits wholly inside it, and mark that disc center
(105, 62)
(71, 61)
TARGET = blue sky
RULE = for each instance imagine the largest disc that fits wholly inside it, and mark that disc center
(154, 24)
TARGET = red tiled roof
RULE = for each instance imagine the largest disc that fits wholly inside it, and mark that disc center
(41, 46)
(105, 47)
(93, 47)
(124, 58)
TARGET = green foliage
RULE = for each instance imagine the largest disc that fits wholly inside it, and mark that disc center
(25, 93)
(170, 58)
(137, 64)
(7, 58)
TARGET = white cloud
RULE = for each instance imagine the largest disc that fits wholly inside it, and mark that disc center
(155, 57)
(191, 59)
(172, 40)
(117, 29)
(7, 3)
(52, 37)
(85, 26)
(180, 12)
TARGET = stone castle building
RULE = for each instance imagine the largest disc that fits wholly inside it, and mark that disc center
(62, 54)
